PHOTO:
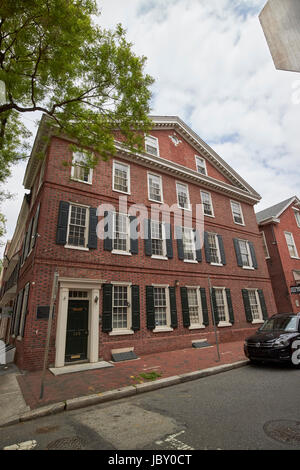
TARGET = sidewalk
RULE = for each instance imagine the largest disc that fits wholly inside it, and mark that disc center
(74, 390)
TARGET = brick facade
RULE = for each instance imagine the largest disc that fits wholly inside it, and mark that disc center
(47, 256)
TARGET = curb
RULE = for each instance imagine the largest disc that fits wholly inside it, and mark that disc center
(131, 390)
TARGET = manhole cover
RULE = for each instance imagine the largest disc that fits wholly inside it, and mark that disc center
(283, 430)
(66, 443)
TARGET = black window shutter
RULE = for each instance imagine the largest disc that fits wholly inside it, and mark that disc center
(198, 246)
(92, 239)
(134, 245)
(27, 240)
(107, 308)
(150, 307)
(135, 307)
(13, 318)
(247, 307)
(169, 241)
(263, 304)
(229, 305)
(62, 225)
(18, 312)
(173, 308)
(35, 226)
(253, 255)
(214, 305)
(185, 307)
(26, 292)
(222, 251)
(108, 231)
(147, 235)
(23, 249)
(204, 306)
(238, 252)
(206, 248)
(178, 232)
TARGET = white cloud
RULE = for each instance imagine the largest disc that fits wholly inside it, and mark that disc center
(213, 69)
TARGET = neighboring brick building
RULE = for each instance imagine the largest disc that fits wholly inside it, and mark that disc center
(280, 227)
(120, 293)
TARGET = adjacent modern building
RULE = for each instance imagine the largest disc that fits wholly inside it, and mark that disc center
(117, 292)
(280, 229)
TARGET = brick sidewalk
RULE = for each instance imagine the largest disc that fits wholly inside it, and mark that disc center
(167, 364)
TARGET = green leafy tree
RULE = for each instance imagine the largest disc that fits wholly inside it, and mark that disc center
(56, 60)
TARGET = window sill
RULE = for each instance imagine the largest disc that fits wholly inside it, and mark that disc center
(122, 192)
(238, 223)
(162, 329)
(185, 208)
(190, 261)
(196, 327)
(159, 257)
(295, 257)
(223, 324)
(81, 248)
(125, 253)
(216, 264)
(209, 215)
(255, 322)
(121, 332)
(248, 267)
(157, 202)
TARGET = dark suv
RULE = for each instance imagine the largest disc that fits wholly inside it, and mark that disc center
(276, 340)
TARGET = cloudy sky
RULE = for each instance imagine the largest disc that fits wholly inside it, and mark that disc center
(213, 69)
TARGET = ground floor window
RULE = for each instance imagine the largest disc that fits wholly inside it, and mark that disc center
(194, 303)
(120, 308)
(160, 306)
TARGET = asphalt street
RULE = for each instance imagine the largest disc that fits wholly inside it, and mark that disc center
(251, 408)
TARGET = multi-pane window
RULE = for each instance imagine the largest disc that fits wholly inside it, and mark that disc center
(78, 225)
(254, 305)
(188, 240)
(291, 245)
(221, 305)
(157, 238)
(80, 171)
(160, 306)
(237, 213)
(151, 145)
(121, 177)
(201, 165)
(265, 246)
(194, 306)
(207, 203)
(155, 188)
(183, 196)
(120, 307)
(214, 250)
(297, 216)
(245, 253)
(78, 294)
(120, 232)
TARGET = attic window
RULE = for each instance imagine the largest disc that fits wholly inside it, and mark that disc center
(201, 165)
(151, 145)
(297, 216)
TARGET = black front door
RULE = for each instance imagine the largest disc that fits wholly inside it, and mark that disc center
(77, 330)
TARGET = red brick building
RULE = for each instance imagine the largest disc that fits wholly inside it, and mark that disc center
(122, 293)
(280, 228)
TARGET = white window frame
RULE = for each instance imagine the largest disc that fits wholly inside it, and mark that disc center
(248, 252)
(199, 325)
(218, 250)
(164, 241)
(211, 204)
(74, 165)
(152, 142)
(115, 250)
(260, 319)
(149, 174)
(202, 160)
(265, 245)
(297, 216)
(86, 233)
(167, 327)
(295, 248)
(187, 193)
(116, 162)
(194, 260)
(223, 323)
(241, 212)
(127, 330)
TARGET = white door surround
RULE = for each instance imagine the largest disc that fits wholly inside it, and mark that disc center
(92, 286)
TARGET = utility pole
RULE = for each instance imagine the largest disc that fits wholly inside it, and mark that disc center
(51, 309)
